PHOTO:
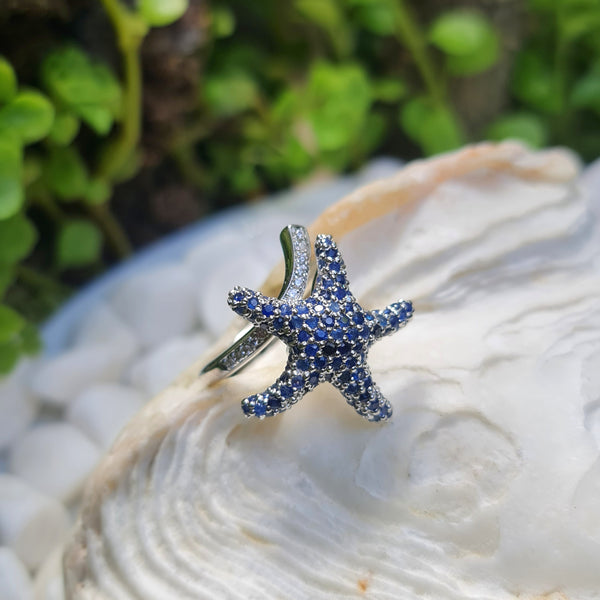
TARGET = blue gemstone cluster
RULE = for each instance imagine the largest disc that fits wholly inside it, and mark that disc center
(328, 335)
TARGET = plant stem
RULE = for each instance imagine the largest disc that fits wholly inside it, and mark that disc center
(115, 235)
(410, 33)
(34, 278)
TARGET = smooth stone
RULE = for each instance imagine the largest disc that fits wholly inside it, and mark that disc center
(153, 372)
(55, 458)
(103, 326)
(18, 407)
(60, 379)
(103, 409)
(15, 583)
(48, 583)
(159, 304)
(31, 523)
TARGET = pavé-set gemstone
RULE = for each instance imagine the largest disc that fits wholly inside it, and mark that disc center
(328, 335)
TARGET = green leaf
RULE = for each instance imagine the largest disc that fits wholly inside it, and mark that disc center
(230, 92)
(64, 129)
(433, 127)
(6, 277)
(477, 62)
(98, 191)
(66, 173)
(461, 32)
(222, 21)
(79, 243)
(86, 88)
(29, 115)
(339, 99)
(17, 238)
(157, 13)
(534, 84)
(11, 195)
(586, 91)
(327, 15)
(527, 127)
(11, 322)
(99, 118)
(8, 81)
(377, 16)
(9, 356)
(389, 90)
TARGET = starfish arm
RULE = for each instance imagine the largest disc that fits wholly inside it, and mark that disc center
(391, 318)
(331, 270)
(268, 313)
(289, 387)
(362, 393)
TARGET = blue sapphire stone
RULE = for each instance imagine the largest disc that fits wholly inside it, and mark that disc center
(297, 381)
(301, 309)
(344, 320)
(312, 322)
(352, 388)
(260, 408)
(327, 283)
(286, 391)
(274, 403)
(336, 363)
(358, 318)
(344, 348)
(364, 332)
(248, 406)
(344, 376)
(328, 320)
(252, 303)
(303, 336)
(352, 334)
(329, 349)
(303, 364)
(350, 363)
(285, 310)
(296, 322)
(340, 293)
(334, 266)
(278, 322)
(311, 349)
(320, 334)
(268, 310)
(320, 362)
(369, 317)
(332, 253)
(334, 307)
(394, 321)
(313, 378)
(238, 297)
(337, 334)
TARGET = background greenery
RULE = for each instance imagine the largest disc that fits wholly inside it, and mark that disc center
(121, 121)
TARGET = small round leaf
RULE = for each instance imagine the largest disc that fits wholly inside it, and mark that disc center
(79, 243)
(17, 238)
(8, 81)
(66, 173)
(157, 13)
(460, 32)
(527, 127)
(11, 195)
(11, 322)
(30, 115)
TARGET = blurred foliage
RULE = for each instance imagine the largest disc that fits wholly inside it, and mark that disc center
(288, 89)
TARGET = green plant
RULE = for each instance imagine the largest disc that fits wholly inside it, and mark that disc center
(41, 167)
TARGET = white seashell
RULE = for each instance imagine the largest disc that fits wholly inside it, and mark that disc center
(18, 408)
(484, 484)
(15, 583)
(158, 304)
(31, 524)
(153, 372)
(55, 458)
(60, 379)
(102, 410)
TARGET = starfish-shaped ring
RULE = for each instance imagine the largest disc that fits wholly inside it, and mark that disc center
(328, 334)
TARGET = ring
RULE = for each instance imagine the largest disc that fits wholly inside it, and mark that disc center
(328, 334)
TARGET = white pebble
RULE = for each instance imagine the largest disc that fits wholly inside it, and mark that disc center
(55, 458)
(158, 304)
(103, 326)
(31, 524)
(48, 584)
(156, 370)
(102, 410)
(17, 409)
(15, 583)
(60, 379)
